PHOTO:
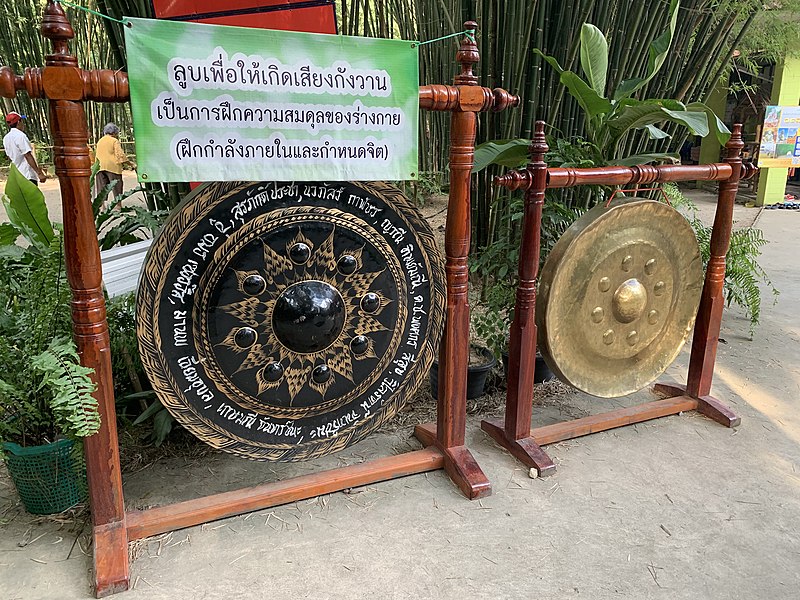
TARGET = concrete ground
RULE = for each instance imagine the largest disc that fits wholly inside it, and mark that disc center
(674, 508)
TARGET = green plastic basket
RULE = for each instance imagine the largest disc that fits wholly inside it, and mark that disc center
(50, 478)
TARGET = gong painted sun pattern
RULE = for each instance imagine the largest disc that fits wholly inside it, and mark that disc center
(305, 317)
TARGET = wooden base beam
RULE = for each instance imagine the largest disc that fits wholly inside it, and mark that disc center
(549, 434)
(141, 524)
(459, 464)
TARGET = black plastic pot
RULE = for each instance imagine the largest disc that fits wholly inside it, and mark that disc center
(540, 375)
(476, 375)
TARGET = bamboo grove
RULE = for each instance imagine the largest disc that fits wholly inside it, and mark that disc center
(709, 34)
(21, 46)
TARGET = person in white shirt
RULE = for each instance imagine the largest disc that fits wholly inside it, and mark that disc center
(19, 150)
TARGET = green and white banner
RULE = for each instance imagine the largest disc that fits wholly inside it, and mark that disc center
(216, 103)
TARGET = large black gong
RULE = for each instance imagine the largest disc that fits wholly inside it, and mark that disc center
(284, 321)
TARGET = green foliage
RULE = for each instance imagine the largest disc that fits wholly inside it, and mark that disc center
(507, 153)
(609, 120)
(743, 273)
(163, 420)
(497, 268)
(428, 184)
(126, 364)
(120, 225)
(492, 318)
(773, 33)
(501, 258)
(656, 55)
(69, 388)
(27, 214)
(44, 391)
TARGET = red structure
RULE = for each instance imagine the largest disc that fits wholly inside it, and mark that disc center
(314, 16)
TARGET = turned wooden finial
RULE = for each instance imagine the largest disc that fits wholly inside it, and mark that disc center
(514, 180)
(9, 83)
(538, 147)
(503, 100)
(749, 170)
(57, 28)
(467, 56)
(735, 143)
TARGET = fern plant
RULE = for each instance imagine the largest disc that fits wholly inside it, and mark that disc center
(68, 387)
(744, 275)
(44, 390)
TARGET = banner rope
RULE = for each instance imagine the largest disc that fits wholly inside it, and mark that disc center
(94, 12)
(470, 33)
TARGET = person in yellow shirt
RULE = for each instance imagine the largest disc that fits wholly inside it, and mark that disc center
(111, 157)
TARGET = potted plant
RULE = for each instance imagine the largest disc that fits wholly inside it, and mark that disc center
(481, 361)
(46, 400)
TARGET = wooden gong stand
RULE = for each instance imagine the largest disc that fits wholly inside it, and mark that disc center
(514, 432)
(66, 87)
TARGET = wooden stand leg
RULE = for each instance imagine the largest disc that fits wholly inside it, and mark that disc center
(459, 464)
(709, 315)
(448, 435)
(524, 449)
(110, 549)
(73, 167)
(90, 329)
(515, 433)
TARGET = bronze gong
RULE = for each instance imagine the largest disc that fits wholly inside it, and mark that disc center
(284, 321)
(618, 296)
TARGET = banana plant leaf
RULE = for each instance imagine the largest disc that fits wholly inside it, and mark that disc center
(26, 209)
(720, 129)
(509, 153)
(657, 54)
(594, 57)
(8, 234)
(642, 159)
(590, 101)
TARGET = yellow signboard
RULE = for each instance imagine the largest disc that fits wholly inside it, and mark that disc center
(780, 143)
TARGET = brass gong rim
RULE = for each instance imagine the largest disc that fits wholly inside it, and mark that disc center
(618, 296)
